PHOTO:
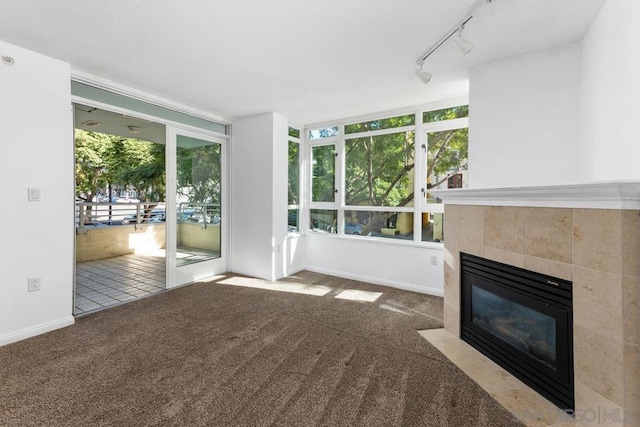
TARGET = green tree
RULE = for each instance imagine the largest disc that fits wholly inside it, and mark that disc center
(294, 167)
(92, 165)
(447, 155)
(324, 173)
(199, 173)
(379, 170)
(447, 151)
(103, 161)
(140, 165)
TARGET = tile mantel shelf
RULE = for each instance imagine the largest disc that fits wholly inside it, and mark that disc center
(593, 195)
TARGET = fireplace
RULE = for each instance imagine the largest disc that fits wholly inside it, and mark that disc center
(523, 321)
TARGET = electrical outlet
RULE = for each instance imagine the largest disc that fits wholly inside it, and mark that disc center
(434, 260)
(34, 284)
(34, 195)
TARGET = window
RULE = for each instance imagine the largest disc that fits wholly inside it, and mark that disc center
(293, 192)
(323, 164)
(365, 175)
(294, 133)
(323, 133)
(379, 170)
(394, 122)
(389, 224)
(447, 160)
(459, 112)
(323, 220)
(294, 176)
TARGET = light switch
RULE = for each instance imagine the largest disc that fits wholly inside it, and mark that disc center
(34, 194)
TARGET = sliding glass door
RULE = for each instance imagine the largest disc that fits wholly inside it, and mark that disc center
(196, 206)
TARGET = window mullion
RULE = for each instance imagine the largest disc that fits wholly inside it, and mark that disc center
(340, 179)
(304, 195)
(419, 179)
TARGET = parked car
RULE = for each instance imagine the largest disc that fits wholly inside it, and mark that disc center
(208, 218)
(125, 200)
(293, 218)
(353, 228)
(156, 215)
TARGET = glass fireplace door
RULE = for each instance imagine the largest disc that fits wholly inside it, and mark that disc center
(523, 321)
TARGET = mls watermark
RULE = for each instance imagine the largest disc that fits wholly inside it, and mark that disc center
(595, 416)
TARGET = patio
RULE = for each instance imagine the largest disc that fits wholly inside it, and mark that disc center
(112, 281)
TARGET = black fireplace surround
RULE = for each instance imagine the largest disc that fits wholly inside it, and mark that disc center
(523, 321)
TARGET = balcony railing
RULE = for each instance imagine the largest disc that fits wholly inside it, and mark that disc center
(91, 215)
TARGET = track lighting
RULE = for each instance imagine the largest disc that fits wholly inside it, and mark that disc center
(465, 46)
(424, 76)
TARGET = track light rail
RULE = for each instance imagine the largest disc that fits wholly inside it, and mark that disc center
(453, 31)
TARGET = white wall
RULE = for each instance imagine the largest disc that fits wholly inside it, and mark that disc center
(280, 169)
(259, 195)
(523, 121)
(610, 90)
(295, 254)
(37, 237)
(385, 263)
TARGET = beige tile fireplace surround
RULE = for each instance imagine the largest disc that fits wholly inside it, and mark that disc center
(588, 234)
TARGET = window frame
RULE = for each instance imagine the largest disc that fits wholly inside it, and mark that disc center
(420, 206)
(301, 155)
(423, 129)
(325, 142)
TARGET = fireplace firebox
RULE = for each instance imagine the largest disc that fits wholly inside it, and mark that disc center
(523, 321)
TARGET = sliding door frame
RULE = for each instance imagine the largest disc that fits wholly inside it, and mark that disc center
(170, 169)
(182, 275)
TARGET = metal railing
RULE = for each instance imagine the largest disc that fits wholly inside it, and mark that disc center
(202, 213)
(91, 215)
(94, 215)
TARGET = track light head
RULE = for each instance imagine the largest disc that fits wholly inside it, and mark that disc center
(424, 76)
(463, 45)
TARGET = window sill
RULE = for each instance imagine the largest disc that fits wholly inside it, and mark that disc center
(378, 240)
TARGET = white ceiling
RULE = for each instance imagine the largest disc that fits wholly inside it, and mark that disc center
(310, 60)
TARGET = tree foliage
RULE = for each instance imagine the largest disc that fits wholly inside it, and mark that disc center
(379, 170)
(92, 163)
(199, 173)
(103, 160)
(447, 155)
(140, 164)
(394, 122)
(324, 173)
(446, 114)
(294, 176)
(447, 151)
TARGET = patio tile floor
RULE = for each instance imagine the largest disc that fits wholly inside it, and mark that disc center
(110, 281)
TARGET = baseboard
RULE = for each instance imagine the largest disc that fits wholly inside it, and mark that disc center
(36, 330)
(295, 270)
(251, 273)
(377, 281)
